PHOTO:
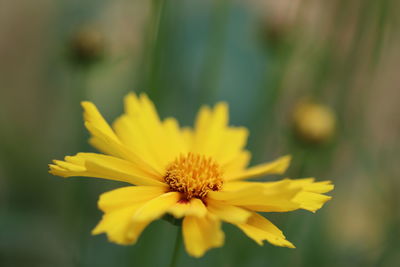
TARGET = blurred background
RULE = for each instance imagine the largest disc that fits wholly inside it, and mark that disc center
(312, 78)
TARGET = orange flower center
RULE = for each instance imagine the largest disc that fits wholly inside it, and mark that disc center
(194, 175)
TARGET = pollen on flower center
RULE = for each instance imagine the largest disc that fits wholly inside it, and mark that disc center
(194, 175)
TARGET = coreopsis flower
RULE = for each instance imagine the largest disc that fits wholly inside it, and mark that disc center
(314, 122)
(199, 175)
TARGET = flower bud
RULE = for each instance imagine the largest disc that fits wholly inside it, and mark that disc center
(314, 122)
(87, 46)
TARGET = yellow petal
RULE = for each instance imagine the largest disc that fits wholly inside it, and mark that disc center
(311, 197)
(93, 117)
(176, 140)
(236, 165)
(213, 137)
(102, 166)
(311, 201)
(228, 213)
(104, 147)
(104, 139)
(231, 144)
(274, 197)
(278, 166)
(156, 207)
(120, 207)
(187, 136)
(118, 150)
(119, 226)
(201, 234)
(127, 196)
(192, 207)
(209, 129)
(259, 229)
(144, 118)
(135, 139)
(308, 184)
(200, 128)
(284, 195)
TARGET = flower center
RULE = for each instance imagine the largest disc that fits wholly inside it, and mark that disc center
(194, 175)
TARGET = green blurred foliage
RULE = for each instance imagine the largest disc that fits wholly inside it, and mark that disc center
(260, 56)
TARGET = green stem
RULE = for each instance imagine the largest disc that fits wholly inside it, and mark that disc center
(154, 44)
(178, 242)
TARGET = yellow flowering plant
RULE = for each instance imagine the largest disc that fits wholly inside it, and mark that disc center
(199, 175)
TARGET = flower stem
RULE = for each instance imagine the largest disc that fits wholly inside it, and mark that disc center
(175, 255)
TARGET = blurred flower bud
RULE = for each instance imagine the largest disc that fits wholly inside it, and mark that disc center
(314, 122)
(275, 31)
(87, 46)
(279, 21)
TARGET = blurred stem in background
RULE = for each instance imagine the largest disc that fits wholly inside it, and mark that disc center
(215, 50)
(87, 49)
(78, 192)
(153, 49)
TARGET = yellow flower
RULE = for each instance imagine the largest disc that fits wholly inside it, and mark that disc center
(198, 174)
